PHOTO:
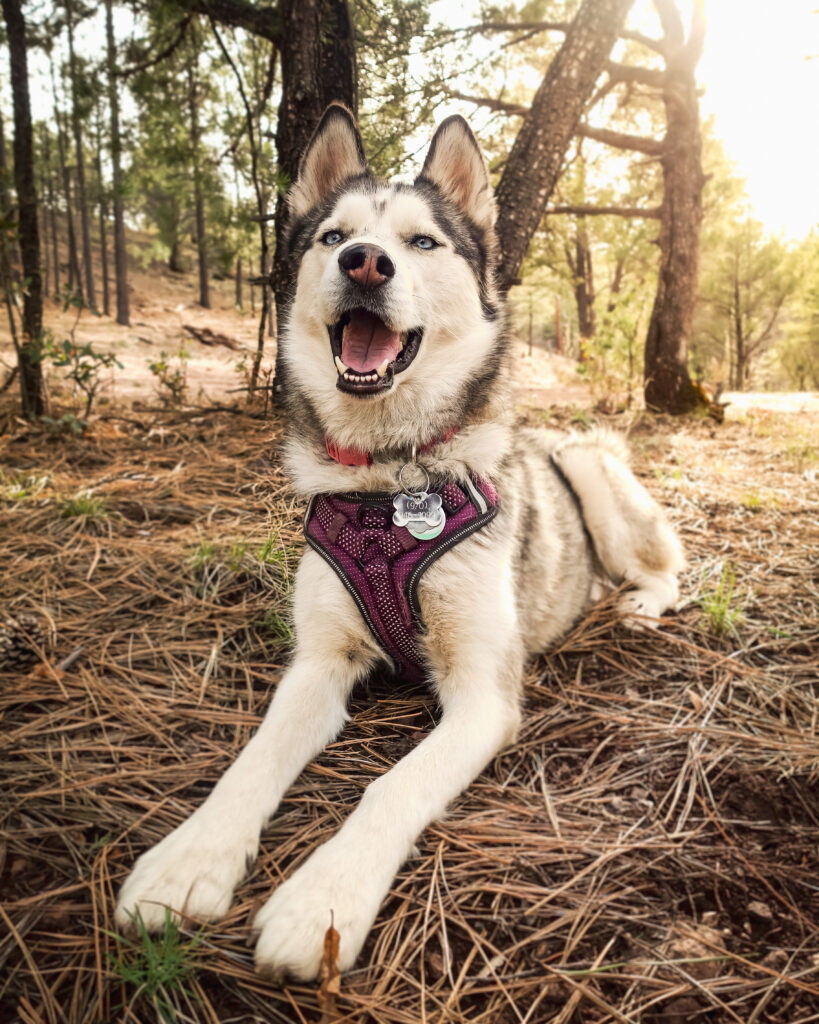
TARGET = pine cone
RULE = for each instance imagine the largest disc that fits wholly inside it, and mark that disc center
(19, 639)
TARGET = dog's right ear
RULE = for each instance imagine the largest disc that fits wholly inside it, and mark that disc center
(333, 154)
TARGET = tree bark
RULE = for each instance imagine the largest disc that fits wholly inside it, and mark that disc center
(87, 257)
(580, 264)
(199, 199)
(238, 282)
(52, 212)
(103, 217)
(31, 381)
(44, 257)
(120, 254)
(318, 66)
(668, 386)
(74, 279)
(536, 158)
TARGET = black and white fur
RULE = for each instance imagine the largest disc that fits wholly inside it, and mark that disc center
(501, 595)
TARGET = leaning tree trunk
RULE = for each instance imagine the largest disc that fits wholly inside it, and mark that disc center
(536, 157)
(317, 49)
(31, 380)
(120, 256)
(668, 386)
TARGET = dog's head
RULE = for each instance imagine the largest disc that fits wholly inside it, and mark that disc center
(394, 315)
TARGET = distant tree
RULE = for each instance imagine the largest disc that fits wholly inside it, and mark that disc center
(120, 255)
(28, 355)
(747, 284)
(80, 113)
(798, 350)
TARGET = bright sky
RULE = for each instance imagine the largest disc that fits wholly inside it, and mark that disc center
(761, 89)
(764, 95)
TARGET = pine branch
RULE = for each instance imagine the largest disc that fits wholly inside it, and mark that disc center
(583, 210)
(163, 55)
(644, 76)
(620, 140)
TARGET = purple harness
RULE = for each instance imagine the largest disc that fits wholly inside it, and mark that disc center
(380, 563)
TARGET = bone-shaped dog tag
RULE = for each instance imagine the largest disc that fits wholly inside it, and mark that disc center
(421, 513)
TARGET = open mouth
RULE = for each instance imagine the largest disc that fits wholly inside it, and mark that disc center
(368, 353)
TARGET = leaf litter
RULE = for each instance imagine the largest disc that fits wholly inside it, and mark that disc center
(646, 851)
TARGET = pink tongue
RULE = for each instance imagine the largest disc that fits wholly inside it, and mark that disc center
(367, 342)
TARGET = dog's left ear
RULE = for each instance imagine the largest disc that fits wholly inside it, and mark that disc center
(333, 154)
(456, 165)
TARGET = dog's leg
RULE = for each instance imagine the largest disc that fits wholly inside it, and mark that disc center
(349, 876)
(631, 536)
(195, 869)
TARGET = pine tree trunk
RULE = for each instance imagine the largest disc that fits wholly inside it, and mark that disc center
(102, 208)
(536, 158)
(199, 200)
(318, 67)
(82, 195)
(175, 262)
(103, 215)
(120, 254)
(43, 229)
(74, 279)
(668, 386)
(238, 282)
(31, 381)
(52, 211)
(582, 271)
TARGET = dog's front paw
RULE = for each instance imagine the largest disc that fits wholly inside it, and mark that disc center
(193, 871)
(330, 887)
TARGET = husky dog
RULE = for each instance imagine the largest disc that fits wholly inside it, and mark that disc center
(398, 368)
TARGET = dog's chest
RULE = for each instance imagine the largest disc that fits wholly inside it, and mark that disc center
(381, 562)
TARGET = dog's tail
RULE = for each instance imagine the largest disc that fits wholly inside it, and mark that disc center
(599, 438)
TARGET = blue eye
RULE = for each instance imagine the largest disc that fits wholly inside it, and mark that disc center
(331, 238)
(424, 242)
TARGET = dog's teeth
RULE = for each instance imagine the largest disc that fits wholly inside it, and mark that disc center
(347, 376)
(382, 369)
(342, 369)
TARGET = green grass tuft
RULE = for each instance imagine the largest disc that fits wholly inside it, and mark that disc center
(720, 612)
(84, 505)
(155, 965)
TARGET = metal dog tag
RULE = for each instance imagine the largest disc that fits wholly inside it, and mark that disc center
(421, 513)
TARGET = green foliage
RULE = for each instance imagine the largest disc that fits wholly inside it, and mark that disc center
(721, 605)
(746, 283)
(85, 364)
(156, 966)
(171, 375)
(84, 505)
(797, 353)
(66, 425)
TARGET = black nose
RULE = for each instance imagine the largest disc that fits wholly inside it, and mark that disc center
(367, 265)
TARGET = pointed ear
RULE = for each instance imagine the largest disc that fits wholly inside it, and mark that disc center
(456, 165)
(334, 153)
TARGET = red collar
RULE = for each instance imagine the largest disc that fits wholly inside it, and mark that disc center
(357, 457)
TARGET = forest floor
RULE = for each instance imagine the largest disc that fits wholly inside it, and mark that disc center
(648, 850)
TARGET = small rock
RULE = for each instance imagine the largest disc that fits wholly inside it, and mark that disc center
(761, 911)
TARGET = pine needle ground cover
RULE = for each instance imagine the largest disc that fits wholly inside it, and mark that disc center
(647, 851)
